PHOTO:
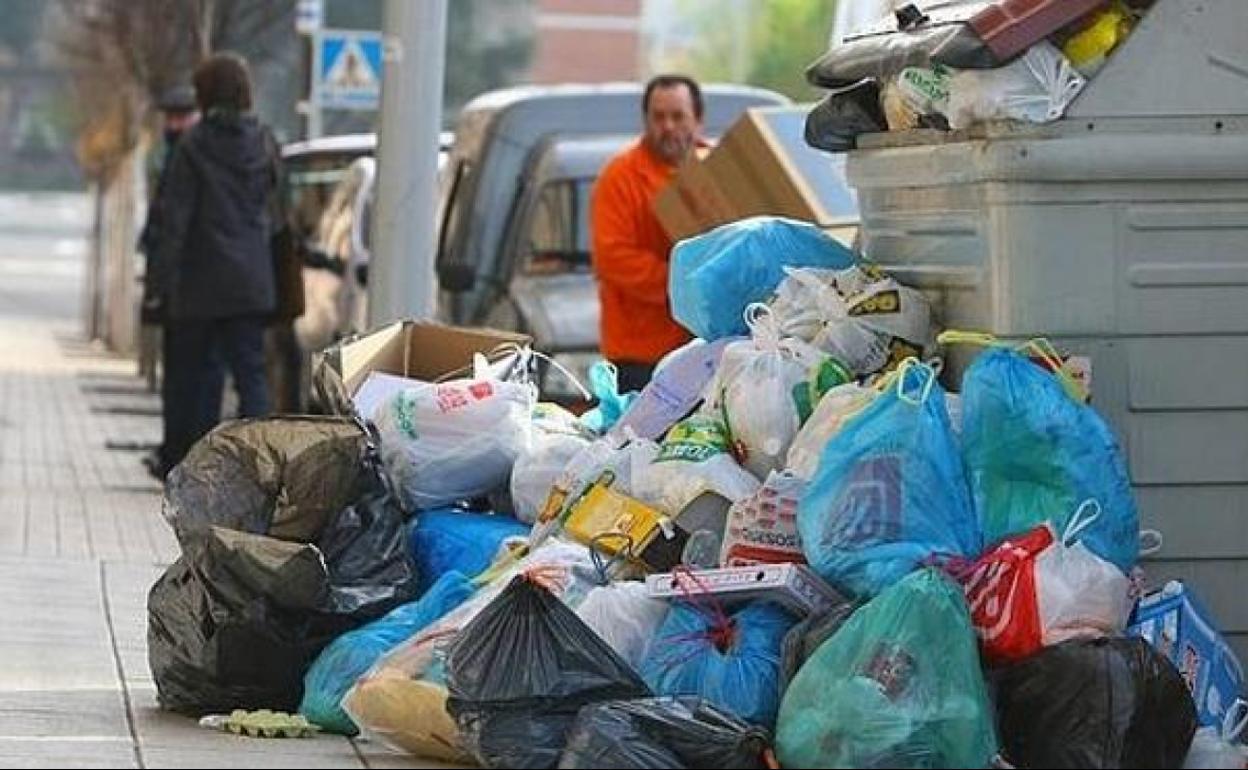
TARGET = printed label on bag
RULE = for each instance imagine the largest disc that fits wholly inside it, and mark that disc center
(695, 440)
(869, 508)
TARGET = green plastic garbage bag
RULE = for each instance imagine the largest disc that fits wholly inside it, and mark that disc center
(899, 685)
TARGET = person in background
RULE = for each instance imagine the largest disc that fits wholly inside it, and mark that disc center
(214, 270)
(629, 247)
(178, 113)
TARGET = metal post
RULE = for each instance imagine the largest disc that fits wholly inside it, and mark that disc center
(401, 276)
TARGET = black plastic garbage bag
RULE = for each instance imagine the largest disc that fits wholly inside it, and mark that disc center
(285, 477)
(237, 620)
(662, 732)
(835, 123)
(803, 639)
(522, 669)
(1095, 704)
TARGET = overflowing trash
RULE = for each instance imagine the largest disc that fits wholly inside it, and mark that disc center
(806, 543)
(962, 64)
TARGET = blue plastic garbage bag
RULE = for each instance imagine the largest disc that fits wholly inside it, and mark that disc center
(451, 540)
(351, 655)
(889, 493)
(1179, 627)
(715, 276)
(731, 661)
(604, 383)
(1034, 454)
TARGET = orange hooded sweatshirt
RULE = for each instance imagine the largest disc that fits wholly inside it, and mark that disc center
(630, 254)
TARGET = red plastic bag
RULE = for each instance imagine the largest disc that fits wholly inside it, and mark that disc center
(1036, 590)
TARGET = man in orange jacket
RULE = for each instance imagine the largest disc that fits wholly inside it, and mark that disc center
(630, 248)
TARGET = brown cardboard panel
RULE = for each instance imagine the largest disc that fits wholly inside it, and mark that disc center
(421, 350)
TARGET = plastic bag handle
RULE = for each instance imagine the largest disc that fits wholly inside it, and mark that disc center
(925, 391)
(1078, 522)
(1040, 346)
(585, 394)
(764, 329)
(1232, 727)
(595, 553)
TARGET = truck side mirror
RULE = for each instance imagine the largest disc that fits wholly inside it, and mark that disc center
(456, 277)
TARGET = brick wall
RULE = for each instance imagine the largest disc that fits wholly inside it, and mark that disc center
(587, 41)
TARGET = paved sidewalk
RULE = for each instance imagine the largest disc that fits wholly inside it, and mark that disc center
(82, 538)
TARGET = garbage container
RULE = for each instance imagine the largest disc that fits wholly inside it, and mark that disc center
(1121, 232)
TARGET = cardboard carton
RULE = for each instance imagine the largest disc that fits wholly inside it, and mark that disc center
(761, 166)
(417, 350)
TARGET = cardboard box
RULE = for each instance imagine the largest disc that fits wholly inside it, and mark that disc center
(418, 350)
(793, 585)
(761, 166)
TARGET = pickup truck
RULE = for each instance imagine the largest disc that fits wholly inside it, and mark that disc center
(513, 245)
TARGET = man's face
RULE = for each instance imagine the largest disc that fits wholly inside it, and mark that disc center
(671, 126)
(177, 122)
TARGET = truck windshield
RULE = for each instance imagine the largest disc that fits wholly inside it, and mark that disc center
(558, 239)
(454, 210)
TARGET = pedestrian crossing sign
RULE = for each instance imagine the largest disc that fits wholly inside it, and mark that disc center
(348, 69)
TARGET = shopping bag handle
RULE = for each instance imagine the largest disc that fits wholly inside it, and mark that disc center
(1079, 522)
(1041, 347)
(926, 371)
(1235, 720)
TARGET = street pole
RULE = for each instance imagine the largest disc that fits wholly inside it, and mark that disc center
(401, 273)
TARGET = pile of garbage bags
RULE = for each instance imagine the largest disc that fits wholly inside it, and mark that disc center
(957, 64)
(803, 544)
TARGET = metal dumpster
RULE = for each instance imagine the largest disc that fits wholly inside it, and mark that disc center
(1121, 232)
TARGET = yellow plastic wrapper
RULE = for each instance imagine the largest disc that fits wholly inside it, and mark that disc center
(1088, 48)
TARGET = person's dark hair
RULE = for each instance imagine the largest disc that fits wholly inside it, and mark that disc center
(223, 82)
(670, 81)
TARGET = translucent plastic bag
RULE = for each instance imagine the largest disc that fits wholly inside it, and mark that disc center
(766, 388)
(835, 409)
(1034, 454)
(625, 617)
(1040, 589)
(1036, 88)
(696, 457)
(604, 382)
(762, 528)
(538, 467)
(860, 316)
(351, 655)
(716, 275)
(454, 441)
(452, 540)
(890, 491)
(899, 685)
(733, 661)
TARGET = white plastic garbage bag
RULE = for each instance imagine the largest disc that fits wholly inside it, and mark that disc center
(835, 409)
(454, 440)
(765, 388)
(587, 466)
(695, 458)
(537, 468)
(860, 316)
(1036, 88)
(625, 617)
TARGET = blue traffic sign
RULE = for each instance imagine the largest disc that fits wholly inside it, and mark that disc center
(348, 69)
